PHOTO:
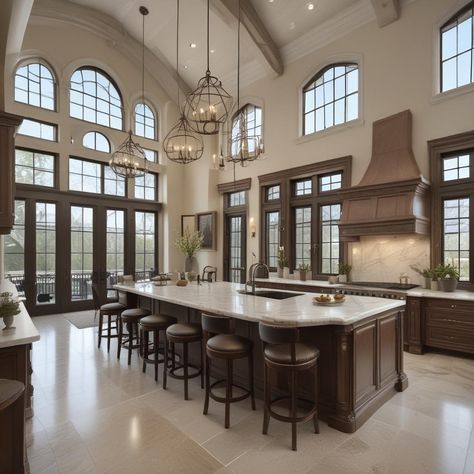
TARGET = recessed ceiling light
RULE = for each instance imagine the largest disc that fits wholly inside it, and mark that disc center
(185, 66)
(213, 51)
(310, 6)
(271, 1)
(193, 45)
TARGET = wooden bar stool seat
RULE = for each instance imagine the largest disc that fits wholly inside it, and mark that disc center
(283, 351)
(182, 333)
(153, 324)
(131, 318)
(222, 344)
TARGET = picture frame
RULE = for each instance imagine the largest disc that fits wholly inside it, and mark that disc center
(206, 223)
(188, 222)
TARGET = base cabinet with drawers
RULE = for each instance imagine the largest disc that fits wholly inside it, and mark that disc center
(439, 323)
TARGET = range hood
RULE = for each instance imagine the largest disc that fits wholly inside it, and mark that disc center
(392, 197)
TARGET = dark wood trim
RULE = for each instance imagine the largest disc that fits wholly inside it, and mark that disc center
(235, 186)
(240, 211)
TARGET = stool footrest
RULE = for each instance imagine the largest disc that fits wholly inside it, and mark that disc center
(172, 374)
(288, 419)
(220, 399)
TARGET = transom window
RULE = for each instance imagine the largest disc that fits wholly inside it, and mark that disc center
(303, 187)
(237, 199)
(34, 167)
(251, 115)
(145, 187)
(145, 121)
(457, 50)
(302, 236)
(95, 98)
(150, 155)
(273, 193)
(331, 98)
(456, 167)
(85, 176)
(329, 182)
(96, 141)
(34, 85)
(37, 129)
(330, 247)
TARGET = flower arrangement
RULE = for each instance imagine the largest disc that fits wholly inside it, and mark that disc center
(304, 267)
(9, 306)
(282, 260)
(190, 242)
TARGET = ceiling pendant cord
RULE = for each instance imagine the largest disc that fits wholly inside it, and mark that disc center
(208, 71)
(177, 53)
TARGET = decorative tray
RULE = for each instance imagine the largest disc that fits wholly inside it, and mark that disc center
(331, 302)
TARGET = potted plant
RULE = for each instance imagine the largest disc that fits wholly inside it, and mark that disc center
(303, 268)
(190, 243)
(282, 262)
(426, 273)
(448, 276)
(9, 307)
(344, 272)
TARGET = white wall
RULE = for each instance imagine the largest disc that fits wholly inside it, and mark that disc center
(397, 64)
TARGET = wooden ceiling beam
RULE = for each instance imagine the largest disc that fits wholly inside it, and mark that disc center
(386, 11)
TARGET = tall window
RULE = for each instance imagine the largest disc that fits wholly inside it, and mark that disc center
(330, 247)
(457, 49)
(14, 247)
(145, 234)
(96, 141)
(95, 98)
(331, 98)
(45, 252)
(302, 236)
(34, 167)
(34, 85)
(272, 228)
(114, 184)
(145, 187)
(85, 176)
(115, 243)
(249, 119)
(145, 124)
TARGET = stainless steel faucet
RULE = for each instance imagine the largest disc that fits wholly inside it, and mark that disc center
(252, 272)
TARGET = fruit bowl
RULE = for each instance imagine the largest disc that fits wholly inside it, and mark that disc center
(328, 300)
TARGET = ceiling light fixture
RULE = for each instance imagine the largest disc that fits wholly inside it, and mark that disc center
(181, 144)
(129, 159)
(193, 45)
(310, 6)
(208, 106)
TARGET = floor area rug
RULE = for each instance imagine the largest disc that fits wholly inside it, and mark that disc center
(82, 319)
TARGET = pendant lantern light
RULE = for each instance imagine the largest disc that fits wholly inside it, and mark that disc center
(208, 106)
(129, 159)
(181, 144)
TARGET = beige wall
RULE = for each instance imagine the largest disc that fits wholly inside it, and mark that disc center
(396, 64)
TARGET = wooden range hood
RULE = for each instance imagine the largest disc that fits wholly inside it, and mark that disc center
(392, 197)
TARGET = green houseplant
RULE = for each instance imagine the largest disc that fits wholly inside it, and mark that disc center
(426, 273)
(344, 272)
(303, 268)
(189, 244)
(448, 276)
(9, 307)
(282, 261)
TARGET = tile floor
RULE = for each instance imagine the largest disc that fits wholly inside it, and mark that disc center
(94, 414)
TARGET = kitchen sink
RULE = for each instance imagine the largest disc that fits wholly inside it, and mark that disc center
(276, 295)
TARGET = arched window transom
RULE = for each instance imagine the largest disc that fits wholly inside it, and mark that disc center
(96, 141)
(252, 117)
(145, 123)
(95, 98)
(331, 98)
(457, 50)
(35, 85)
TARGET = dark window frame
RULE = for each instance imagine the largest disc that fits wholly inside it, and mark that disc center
(55, 170)
(155, 175)
(144, 117)
(156, 239)
(244, 109)
(41, 122)
(95, 133)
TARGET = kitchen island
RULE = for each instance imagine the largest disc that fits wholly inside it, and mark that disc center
(361, 362)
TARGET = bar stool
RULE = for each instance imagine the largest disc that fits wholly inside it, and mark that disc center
(283, 351)
(130, 317)
(222, 343)
(153, 324)
(109, 310)
(182, 333)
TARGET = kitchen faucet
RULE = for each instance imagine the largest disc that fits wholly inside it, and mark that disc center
(252, 272)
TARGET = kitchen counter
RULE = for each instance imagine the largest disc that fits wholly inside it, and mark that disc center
(25, 331)
(222, 298)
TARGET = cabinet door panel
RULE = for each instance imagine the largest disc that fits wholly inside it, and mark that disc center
(388, 348)
(365, 348)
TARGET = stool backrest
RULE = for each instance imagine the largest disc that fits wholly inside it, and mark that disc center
(122, 297)
(278, 334)
(213, 324)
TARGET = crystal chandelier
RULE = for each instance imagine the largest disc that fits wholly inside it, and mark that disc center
(243, 147)
(182, 144)
(129, 159)
(208, 106)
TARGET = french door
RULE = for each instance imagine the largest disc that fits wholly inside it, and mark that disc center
(235, 261)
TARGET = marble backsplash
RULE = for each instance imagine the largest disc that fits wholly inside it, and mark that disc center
(385, 258)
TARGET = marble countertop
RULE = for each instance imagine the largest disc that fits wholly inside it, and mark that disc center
(25, 331)
(415, 292)
(222, 298)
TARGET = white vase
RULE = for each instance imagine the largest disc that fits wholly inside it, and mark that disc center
(191, 264)
(286, 272)
(8, 320)
(280, 272)
(434, 285)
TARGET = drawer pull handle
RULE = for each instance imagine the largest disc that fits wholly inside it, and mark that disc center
(453, 306)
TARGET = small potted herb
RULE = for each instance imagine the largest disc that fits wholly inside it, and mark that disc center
(282, 262)
(9, 307)
(448, 276)
(426, 273)
(303, 268)
(344, 272)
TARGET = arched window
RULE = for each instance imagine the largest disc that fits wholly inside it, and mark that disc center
(331, 97)
(35, 85)
(145, 121)
(251, 115)
(95, 98)
(457, 49)
(96, 141)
